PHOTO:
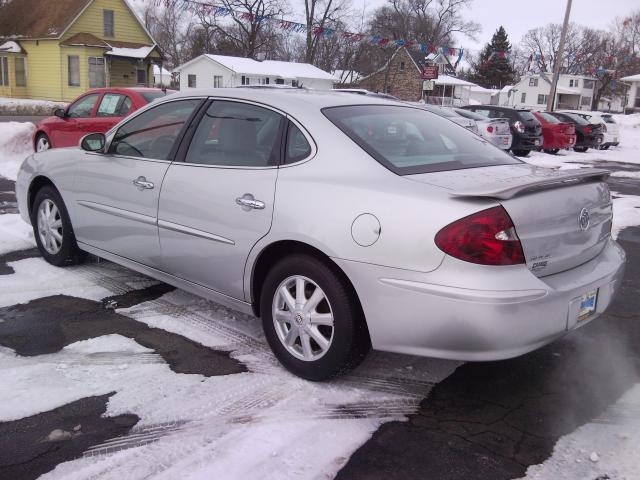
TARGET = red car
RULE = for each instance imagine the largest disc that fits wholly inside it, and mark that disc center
(556, 134)
(96, 111)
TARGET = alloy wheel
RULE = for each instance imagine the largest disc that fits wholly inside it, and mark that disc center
(50, 226)
(303, 318)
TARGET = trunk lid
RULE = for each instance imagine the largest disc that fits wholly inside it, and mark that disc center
(562, 217)
(501, 126)
(531, 124)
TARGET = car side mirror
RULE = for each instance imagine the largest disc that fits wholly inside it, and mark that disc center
(94, 142)
(60, 113)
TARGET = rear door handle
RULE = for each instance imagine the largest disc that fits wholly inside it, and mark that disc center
(248, 202)
(143, 184)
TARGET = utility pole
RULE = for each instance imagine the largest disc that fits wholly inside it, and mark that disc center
(558, 62)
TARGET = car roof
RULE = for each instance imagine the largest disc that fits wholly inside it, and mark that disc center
(287, 99)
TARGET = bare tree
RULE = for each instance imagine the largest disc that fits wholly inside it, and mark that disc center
(318, 15)
(172, 28)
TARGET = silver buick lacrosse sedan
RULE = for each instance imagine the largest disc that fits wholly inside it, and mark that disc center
(344, 222)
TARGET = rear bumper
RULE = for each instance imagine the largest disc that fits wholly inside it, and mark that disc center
(559, 141)
(526, 142)
(501, 141)
(444, 314)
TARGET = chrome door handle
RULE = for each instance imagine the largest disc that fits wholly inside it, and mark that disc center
(248, 202)
(142, 184)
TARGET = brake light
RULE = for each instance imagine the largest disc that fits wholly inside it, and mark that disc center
(486, 238)
(519, 126)
(587, 130)
(490, 129)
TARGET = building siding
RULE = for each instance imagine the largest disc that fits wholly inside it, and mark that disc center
(127, 28)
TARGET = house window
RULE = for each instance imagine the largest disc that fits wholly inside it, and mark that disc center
(574, 83)
(191, 81)
(73, 70)
(279, 81)
(523, 98)
(217, 81)
(21, 71)
(109, 24)
(141, 76)
(4, 71)
(542, 99)
(533, 82)
(402, 66)
(585, 101)
(267, 80)
(589, 84)
(294, 83)
(97, 76)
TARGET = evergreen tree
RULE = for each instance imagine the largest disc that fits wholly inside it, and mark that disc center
(494, 69)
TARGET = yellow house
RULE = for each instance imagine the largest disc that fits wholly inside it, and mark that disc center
(58, 49)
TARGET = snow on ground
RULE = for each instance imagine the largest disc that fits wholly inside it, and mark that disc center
(24, 106)
(606, 448)
(16, 144)
(16, 234)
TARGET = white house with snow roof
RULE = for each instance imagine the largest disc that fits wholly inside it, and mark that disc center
(219, 71)
(633, 98)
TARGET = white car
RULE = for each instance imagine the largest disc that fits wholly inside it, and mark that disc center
(495, 130)
(610, 127)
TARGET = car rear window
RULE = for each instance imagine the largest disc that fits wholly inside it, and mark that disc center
(151, 96)
(576, 118)
(469, 114)
(410, 140)
(526, 115)
(548, 117)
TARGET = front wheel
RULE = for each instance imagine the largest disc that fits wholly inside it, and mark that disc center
(312, 322)
(580, 149)
(552, 151)
(52, 229)
(521, 153)
(42, 142)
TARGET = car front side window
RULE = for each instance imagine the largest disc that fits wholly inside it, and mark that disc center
(83, 107)
(238, 135)
(153, 133)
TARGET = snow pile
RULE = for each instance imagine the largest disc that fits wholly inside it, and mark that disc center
(626, 212)
(16, 143)
(604, 448)
(24, 106)
(16, 234)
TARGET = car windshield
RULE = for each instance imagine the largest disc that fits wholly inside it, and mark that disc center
(548, 117)
(153, 95)
(410, 140)
(469, 114)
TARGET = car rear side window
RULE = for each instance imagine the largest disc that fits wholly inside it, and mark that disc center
(298, 147)
(548, 117)
(526, 116)
(237, 135)
(152, 95)
(113, 105)
(153, 133)
(411, 140)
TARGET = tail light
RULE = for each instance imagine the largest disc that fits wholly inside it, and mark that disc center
(587, 130)
(490, 129)
(486, 238)
(519, 126)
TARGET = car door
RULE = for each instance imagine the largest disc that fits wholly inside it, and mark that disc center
(112, 108)
(218, 202)
(117, 192)
(69, 131)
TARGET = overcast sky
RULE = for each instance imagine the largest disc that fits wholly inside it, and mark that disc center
(519, 16)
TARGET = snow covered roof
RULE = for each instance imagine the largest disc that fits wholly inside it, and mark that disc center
(157, 71)
(140, 52)
(480, 89)
(10, 47)
(271, 68)
(507, 88)
(449, 80)
(631, 78)
(568, 91)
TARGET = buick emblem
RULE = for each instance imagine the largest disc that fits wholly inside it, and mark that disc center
(584, 219)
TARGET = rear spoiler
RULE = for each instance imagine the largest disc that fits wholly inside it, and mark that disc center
(540, 179)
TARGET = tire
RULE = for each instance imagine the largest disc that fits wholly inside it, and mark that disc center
(346, 341)
(580, 149)
(521, 153)
(552, 151)
(61, 249)
(42, 142)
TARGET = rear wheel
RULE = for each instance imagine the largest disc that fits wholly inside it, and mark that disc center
(311, 320)
(42, 142)
(521, 153)
(52, 229)
(580, 149)
(552, 151)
